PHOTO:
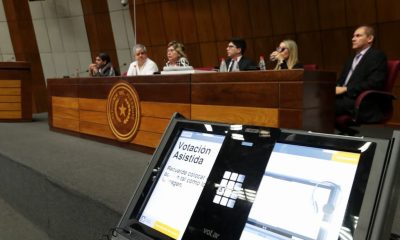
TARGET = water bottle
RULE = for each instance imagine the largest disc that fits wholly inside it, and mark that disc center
(261, 63)
(222, 66)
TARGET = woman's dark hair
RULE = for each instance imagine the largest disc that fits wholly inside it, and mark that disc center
(105, 57)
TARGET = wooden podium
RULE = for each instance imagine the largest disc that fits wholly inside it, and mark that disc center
(294, 99)
(15, 91)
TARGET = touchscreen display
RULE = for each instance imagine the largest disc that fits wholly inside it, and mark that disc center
(181, 182)
(302, 195)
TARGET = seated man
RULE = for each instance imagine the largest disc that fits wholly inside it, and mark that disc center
(102, 66)
(365, 71)
(142, 64)
(235, 51)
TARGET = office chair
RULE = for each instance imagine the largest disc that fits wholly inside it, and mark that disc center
(385, 96)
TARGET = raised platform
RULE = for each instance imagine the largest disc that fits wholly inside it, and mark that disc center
(71, 188)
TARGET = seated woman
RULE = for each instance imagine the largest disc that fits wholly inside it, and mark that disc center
(102, 66)
(286, 56)
(176, 55)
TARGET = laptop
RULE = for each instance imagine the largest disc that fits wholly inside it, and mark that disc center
(220, 181)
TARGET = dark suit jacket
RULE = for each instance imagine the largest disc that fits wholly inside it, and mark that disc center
(370, 73)
(296, 66)
(244, 63)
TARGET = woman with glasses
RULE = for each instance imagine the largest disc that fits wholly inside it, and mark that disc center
(176, 55)
(286, 56)
(142, 64)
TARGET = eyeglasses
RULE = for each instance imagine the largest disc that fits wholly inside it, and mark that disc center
(140, 53)
(280, 49)
(231, 46)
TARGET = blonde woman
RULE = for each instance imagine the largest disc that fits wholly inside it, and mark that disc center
(286, 56)
(176, 55)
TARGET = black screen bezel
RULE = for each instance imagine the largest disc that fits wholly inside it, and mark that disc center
(130, 219)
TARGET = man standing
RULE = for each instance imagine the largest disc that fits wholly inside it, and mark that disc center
(142, 64)
(366, 70)
(235, 51)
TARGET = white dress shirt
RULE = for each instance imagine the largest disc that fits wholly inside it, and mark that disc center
(149, 68)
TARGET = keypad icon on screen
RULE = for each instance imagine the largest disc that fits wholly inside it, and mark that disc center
(228, 189)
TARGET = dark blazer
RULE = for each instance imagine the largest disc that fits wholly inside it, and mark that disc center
(244, 63)
(296, 66)
(370, 73)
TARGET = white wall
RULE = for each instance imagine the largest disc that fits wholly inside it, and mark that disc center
(123, 32)
(6, 48)
(61, 36)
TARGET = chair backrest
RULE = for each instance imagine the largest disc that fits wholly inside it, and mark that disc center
(393, 70)
(310, 67)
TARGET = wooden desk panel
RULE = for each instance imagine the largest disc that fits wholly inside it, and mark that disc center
(15, 91)
(82, 108)
(289, 99)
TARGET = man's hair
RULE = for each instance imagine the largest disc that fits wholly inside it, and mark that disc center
(105, 57)
(369, 30)
(139, 46)
(239, 43)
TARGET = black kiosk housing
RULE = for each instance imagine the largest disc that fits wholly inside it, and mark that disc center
(220, 181)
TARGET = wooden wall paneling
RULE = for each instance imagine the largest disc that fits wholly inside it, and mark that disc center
(194, 56)
(388, 10)
(310, 48)
(335, 48)
(171, 22)
(332, 14)
(264, 46)
(142, 33)
(204, 20)
(209, 56)
(260, 17)
(26, 49)
(155, 23)
(306, 15)
(159, 55)
(360, 12)
(187, 19)
(99, 29)
(282, 17)
(389, 40)
(137, 2)
(240, 18)
(250, 50)
(221, 20)
(221, 48)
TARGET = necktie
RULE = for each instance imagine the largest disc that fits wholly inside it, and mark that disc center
(231, 65)
(356, 60)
